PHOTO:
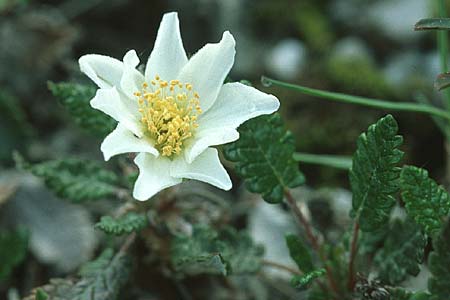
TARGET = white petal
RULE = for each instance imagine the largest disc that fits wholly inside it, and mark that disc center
(122, 140)
(105, 71)
(235, 104)
(209, 137)
(132, 79)
(168, 56)
(113, 104)
(153, 176)
(207, 69)
(206, 167)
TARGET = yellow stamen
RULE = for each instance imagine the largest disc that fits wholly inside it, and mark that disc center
(169, 110)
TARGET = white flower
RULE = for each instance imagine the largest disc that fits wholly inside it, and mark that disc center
(176, 111)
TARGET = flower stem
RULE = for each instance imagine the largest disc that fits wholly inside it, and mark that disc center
(442, 43)
(353, 252)
(370, 102)
(312, 238)
(334, 161)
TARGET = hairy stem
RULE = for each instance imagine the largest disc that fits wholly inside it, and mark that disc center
(353, 252)
(370, 102)
(312, 239)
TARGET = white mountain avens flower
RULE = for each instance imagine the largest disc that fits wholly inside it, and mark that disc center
(176, 111)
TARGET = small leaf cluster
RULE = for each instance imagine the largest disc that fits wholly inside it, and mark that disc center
(302, 257)
(75, 98)
(215, 252)
(127, 223)
(13, 250)
(101, 279)
(75, 179)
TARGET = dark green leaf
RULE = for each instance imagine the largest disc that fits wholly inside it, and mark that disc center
(374, 173)
(299, 253)
(303, 281)
(442, 81)
(75, 179)
(264, 157)
(439, 265)
(425, 201)
(402, 252)
(208, 251)
(125, 224)
(433, 23)
(75, 98)
(41, 295)
(101, 279)
(13, 250)
(401, 294)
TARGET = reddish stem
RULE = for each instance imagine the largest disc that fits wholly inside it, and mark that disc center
(353, 252)
(312, 238)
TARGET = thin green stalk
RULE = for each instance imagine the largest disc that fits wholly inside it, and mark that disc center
(334, 161)
(370, 102)
(442, 41)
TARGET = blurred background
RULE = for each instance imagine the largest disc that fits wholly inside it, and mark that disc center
(361, 47)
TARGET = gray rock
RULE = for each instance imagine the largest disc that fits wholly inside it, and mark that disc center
(401, 67)
(61, 234)
(351, 47)
(287, 59)
(396, 18)
(268, 224)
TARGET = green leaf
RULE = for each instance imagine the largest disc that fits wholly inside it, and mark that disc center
(374, 174)
(439, 265)
(101, 279)
(401, 294)
(402, 253)
(41, 295)
(75, 179)
(433, 24)
(127, 223)
(303, 281)
(425, 201)
(13, 250)
(75, 98)
(299, 253)
(209, 251)
(442, 81)
(264, 157)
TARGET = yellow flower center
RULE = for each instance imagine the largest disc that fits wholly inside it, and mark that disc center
(169, 113)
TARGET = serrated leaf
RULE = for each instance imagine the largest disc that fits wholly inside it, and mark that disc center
(425, 201)
(101, 279)
(374, 174)
(439, 265)
(303, 281)
(442, 81)
(299, 253)
(75, 98)
(402, 253)
(13, 250)
(433, 24)
(208, 251)
(127, 223)
(75, 179)
(264, 157)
